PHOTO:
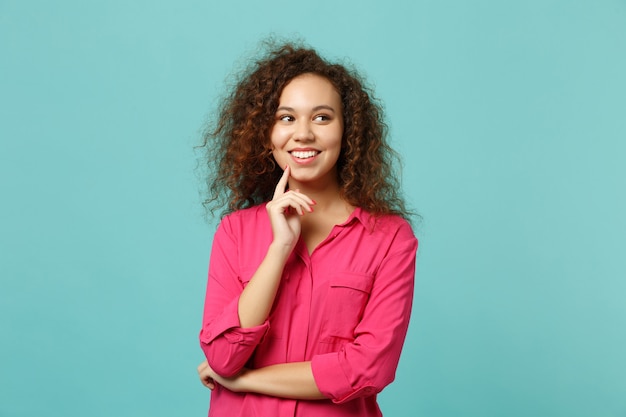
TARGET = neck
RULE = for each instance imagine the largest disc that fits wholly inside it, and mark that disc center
(327, 191)
(326, 196)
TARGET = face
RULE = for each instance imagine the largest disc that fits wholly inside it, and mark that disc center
(308, 129)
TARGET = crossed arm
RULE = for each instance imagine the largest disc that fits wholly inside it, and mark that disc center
(289, 380)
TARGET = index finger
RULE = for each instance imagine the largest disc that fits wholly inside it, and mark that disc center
(282, 183)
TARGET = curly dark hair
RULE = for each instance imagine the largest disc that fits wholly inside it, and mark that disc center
(241, 169)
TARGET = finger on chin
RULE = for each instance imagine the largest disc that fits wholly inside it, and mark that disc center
(282, 182)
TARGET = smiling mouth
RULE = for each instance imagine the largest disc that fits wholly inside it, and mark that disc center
(304, 154)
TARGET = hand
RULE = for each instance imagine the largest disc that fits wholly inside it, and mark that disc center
(285, 210)
(206, 375)
(210, 379)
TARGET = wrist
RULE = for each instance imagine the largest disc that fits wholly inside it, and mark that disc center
(280, 250)
(244, 381)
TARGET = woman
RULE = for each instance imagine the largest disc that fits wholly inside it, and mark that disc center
(311, 274)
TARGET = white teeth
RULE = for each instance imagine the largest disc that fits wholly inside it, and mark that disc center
(304, 154)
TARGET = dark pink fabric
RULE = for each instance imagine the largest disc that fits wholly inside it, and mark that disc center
(345, 307)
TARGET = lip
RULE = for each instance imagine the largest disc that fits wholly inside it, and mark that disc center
(304, 161)
(303, 150)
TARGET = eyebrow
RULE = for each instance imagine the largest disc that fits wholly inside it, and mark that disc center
(316, 108)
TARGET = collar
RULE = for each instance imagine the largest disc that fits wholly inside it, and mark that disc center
(358, 214)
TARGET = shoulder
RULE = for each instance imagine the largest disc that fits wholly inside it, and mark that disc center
(247, 213)
(391, 225)
(248, 218)
(386, 234)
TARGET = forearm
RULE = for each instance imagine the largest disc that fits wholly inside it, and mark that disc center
(257, 298)
(288, 380)
(284, 211)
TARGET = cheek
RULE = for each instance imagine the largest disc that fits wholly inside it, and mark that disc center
(338, 142)
(279, 157)
(277, 138)
(274, 153)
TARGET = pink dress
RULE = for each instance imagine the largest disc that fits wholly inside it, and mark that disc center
(345, 308)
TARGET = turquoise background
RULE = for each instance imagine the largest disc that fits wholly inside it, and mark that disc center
(511, 118)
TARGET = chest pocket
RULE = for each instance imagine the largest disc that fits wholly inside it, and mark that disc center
(347, 297)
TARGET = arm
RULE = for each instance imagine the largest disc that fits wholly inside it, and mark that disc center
(235, 318)
(288, 380)
(368, 364)
(284, 212)
(226, 344)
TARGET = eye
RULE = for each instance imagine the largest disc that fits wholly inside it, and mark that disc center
(286, 118)
(322, 118)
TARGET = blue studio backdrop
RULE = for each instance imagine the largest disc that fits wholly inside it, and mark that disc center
(511, 120)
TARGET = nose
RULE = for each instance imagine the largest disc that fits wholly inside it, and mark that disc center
(303, 131)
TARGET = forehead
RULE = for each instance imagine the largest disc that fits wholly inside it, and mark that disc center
(311, 88)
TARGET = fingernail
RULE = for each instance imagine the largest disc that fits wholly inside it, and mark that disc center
(313, 201)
